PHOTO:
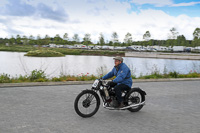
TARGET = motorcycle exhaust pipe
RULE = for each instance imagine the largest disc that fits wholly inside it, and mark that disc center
(134, 105)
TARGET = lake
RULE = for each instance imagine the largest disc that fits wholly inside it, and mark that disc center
(15, 63)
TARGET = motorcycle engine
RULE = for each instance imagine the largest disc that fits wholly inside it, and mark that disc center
(114, 102)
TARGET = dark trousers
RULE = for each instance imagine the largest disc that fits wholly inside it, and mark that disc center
(118, 91)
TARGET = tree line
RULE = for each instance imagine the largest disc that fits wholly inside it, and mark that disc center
(174, 39)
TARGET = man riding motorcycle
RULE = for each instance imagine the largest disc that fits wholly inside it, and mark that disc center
(123, 80)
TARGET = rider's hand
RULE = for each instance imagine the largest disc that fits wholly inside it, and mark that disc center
(111, 83)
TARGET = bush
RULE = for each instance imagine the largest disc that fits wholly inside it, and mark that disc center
(23, 78)
(37, 75)
(153, 75)
(133, 76)
(55, 79)
(40, 80)
(173, 74)
(5, 78)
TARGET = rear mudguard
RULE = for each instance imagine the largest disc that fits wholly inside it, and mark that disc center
(143, 93)
(140, 90)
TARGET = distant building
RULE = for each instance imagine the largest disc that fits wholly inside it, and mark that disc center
(7, 44)
(178, 48)
(80, 46)
(51, 45)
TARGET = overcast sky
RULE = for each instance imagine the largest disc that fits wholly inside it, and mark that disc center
(33, 17)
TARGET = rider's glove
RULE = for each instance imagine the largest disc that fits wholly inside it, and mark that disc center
(111, 83)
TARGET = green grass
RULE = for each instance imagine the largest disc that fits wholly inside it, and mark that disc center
(40, 76)
(17, 48)
(174, 74)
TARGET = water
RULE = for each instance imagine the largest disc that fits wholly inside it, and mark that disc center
(15, 63)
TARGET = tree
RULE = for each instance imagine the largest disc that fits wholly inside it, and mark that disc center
(31, 40)
(101, 39)
(147, 36)
(47, 37)
(46, 40)
(12, 40)
(39, 41)
(110, 43)
(196, 33)
(87, 39)
(57, 39)
(25, 40)
(181, 40)
(38, 37)
(18, 39)
(65, 37)
(76, 38)
(31, 37)
(128, 39)
(196, 42)
(196, 39)
(173, 33)
(114, 37)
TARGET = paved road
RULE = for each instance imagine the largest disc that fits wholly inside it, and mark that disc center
(171, 107)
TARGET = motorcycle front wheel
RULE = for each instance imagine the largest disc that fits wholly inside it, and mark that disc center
(87, 103)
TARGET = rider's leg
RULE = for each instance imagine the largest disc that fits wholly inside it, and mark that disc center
(118, 91)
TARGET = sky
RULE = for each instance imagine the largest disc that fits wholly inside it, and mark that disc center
(33, 17)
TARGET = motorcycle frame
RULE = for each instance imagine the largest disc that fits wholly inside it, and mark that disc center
(98, 89)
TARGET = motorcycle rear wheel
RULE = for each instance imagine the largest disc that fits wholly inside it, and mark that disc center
(135, 96)
(85, 100)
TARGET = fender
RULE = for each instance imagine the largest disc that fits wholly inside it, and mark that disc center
(89, 90)
(137, 88)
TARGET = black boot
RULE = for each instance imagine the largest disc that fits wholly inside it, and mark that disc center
(121, 105)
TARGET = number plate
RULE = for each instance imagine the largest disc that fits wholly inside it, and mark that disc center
(96, 82)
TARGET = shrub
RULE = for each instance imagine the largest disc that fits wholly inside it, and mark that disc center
(40, 80)
(173, 74)
(55, 79)
(37, 74)
(5, 78)
(133, 76)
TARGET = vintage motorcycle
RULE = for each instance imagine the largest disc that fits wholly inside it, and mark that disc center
(88, 101)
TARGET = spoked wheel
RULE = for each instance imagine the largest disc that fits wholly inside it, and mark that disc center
(87, 103)
(135, 96)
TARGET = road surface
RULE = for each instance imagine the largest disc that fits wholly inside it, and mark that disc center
(171, 107)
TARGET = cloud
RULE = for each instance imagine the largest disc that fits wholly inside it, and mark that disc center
(21, 9)
(114, 18)
(6, 26)
(163, 3)
(158, 3)
(18, 8)
(94, 1)
(96, 11)
(47, 12)
(185, 4)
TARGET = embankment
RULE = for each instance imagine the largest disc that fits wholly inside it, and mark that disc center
(180, 56)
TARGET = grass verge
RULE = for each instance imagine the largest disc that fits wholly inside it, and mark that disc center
(40, 76)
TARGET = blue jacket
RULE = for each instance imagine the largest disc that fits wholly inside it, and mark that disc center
(122, 73)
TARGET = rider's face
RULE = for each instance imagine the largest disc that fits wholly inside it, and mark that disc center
(117, 62)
